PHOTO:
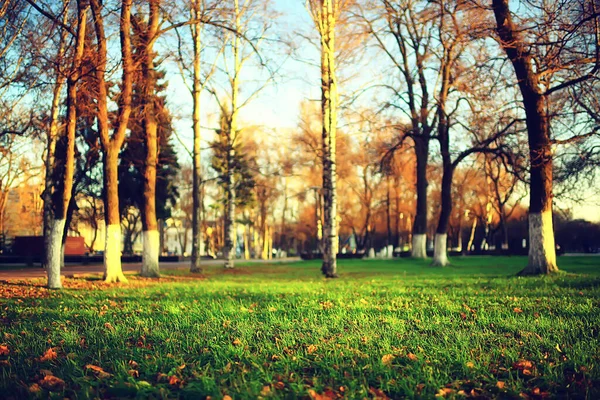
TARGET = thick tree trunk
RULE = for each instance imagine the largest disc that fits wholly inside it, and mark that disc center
(419, 240)
(113, 271)
(542, 253)
(150, 235)
(197, 166)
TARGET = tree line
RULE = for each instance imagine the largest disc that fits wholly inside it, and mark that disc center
(471, 103)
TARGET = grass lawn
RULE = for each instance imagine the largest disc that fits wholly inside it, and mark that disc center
(384, 329)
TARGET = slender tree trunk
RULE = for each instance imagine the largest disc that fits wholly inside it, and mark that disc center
(65, 166)
(230, 188)
(419, 237)
(48, 214)
(542, 251)
(150, 235)
(197, 166)
(329, 102)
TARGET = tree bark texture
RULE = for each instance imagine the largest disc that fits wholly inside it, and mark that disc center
(542, 253)
(64, 165)
(151, 240)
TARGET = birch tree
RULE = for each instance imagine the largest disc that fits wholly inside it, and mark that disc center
(325, 14)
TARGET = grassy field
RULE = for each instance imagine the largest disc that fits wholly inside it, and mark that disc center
(384, 329)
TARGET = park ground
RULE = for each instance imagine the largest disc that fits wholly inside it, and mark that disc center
(384, 329)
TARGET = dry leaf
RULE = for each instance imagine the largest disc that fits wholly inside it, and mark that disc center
(4, 351)
(265, 390)
(35, 388)
(470, 365)
(311, 349)
(523, 364)
(49, 355)
(517, 310)
(500, 384)
(227, 397)
(443, 392)
(133, 373)
(98, 371)
(133, 364)
(412, 357)
(280, 385)
(52, 383)
(378, 394)
(237, 342)
(387, 359)
(109, 327)
(174, 380)
(325, 396)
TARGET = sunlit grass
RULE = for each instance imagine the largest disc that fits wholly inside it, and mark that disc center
(394, 328)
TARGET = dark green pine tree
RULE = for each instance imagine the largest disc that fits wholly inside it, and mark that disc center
(134, 148)
(241, 165)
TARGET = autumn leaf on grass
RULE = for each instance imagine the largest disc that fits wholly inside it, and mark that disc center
(4, 351)
(311, 349)
(387, 359)
(52, 383)
(500, 384)
(265, 390)
(175, 381)
(517, 310)
(522, 364)
(443, 392)
(237, 342)
(133, 373)
(98, 371)
(412, 357)
(378, 394)
(34, 388)
(49, 355)
(327, 395)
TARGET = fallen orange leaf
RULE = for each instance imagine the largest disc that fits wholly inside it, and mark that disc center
(387, 359)
(100, 373)
(500, 384)
(49, 355)
(517, 310)
(4, 351)
(412, 357)
(52, 383)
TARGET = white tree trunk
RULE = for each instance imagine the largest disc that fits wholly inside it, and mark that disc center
(440, 250)
(112, 255)
(151, 243)
(54, 253)
(542, 252)
(419, 245)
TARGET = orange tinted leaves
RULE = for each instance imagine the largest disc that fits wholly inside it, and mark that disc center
(4, 350)
(517, 310)
(98, 371)
(52, 383)
(280, 385)
(523, 364)
(500, 384)
(443, 392)
(327, 395)
(49, 355)
(133, 373)
(378, 394)
(175, 381)
(311, 349)
(412, 357)
(387, 359)
(237, 342)
(34, 388)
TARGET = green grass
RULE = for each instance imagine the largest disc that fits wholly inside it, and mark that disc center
(393, 328)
